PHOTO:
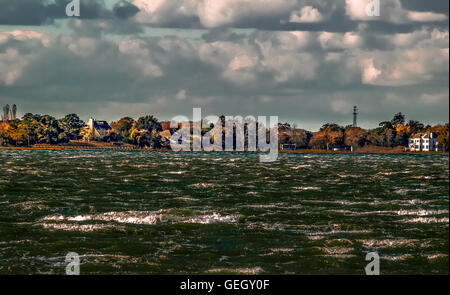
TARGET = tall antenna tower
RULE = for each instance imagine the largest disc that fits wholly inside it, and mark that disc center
(355, 116)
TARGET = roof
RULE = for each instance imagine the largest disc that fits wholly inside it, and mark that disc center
(101, 125)
(422, 135)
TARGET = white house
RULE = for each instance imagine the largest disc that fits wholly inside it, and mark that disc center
(95, 129)
(425, 142)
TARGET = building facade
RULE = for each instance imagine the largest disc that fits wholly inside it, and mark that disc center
(423, 142)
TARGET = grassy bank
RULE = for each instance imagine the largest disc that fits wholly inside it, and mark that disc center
(100, 146)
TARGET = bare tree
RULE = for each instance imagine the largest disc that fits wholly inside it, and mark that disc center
(6, 111)
(14, 112)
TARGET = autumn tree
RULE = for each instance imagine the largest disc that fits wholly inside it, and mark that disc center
(442, 132)
(19, 134)
(385, 125)
(145, 132)
(123, 128)
(149, 123)
(355, 136)
(33, 126)
(70, 127)
(300, 137)
(4, 136)
(382, 136)
(402, 134)
(415, 126)
(319, 140)
(328, 135)
(140, 137)
(399, 119)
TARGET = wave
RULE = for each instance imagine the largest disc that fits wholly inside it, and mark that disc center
(132, 217)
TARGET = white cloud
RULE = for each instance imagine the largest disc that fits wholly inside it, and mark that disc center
(210, 13)
(307, 14)
(356, 9)
(138, 57)
(263, 13)
(216, 13)
(160, 12)
(24, 35)
(241, 70)
(12, 65)
(426, 16)
(241, 62)
(405, 67)
(333, 41)
(81, 46)
(369, 72)
(13, 60)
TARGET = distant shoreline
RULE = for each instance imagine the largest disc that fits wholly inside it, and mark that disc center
(386, 151)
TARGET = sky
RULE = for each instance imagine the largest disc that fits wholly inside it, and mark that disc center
(306, 61)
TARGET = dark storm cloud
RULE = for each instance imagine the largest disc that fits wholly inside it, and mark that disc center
(38, 12)
(26, 12)
(314, 72)
(333, 16)
(125, 9)
(439, 6)
(304, 75)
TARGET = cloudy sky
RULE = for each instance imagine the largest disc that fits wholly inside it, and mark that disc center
(307, 61)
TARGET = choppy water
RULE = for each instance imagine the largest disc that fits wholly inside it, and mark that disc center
(191, 213)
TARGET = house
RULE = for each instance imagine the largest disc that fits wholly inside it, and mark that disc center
(425, 142)
(95, 129)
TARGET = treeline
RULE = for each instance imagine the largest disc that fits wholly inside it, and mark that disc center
(147, 131)
(45, 129)
(33, 129)
(393, 133)
(144, 132)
